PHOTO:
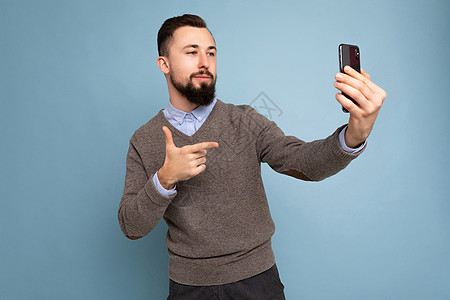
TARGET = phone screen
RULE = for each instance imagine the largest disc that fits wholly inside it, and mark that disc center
(349, 56)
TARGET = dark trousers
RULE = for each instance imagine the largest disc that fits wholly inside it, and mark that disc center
(264, 286)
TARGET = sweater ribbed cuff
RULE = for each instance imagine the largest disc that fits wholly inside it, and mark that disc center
(155, 196)
(337, 149)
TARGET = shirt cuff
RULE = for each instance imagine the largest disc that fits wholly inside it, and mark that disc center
(344, 146)
(161, 189)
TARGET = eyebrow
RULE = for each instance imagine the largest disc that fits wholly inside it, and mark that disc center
(196, 47)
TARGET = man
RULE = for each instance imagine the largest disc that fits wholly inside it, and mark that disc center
(197, 165)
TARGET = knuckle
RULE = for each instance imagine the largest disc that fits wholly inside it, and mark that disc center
(363, 88)
(380, 100)
(358, 95)
(362, 94)
(349, 94)
(360, 85)
(364, 114)
(370, 111)
(366, 90)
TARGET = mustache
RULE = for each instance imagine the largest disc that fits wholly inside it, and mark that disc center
(205, 72)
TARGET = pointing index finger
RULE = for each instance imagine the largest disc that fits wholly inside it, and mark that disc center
(204, 145)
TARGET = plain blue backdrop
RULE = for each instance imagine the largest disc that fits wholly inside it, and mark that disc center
(77, 78)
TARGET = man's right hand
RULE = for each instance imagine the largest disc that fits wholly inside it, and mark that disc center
(182, 163)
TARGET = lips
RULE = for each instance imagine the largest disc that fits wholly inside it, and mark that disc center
(202, 77)
(205, 75)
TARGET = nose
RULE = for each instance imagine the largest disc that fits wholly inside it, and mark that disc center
(203, 61)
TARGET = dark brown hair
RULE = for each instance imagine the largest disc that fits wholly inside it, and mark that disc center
(167, 29)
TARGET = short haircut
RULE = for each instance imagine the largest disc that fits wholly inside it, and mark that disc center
(165, 33)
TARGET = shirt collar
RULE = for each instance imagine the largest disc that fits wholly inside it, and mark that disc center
(199, 113)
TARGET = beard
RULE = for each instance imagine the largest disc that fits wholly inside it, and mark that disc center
(202, 95)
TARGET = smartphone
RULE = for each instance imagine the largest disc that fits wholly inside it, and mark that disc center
(349, 56)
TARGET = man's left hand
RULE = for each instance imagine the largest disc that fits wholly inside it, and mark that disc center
(368, 96)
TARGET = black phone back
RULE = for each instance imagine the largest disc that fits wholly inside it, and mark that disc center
(349, 56)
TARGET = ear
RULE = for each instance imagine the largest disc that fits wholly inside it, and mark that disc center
(163, 64)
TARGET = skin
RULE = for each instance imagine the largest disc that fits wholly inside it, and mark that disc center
(369, 98)
(193, 50)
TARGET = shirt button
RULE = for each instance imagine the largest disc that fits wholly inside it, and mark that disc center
(180, 120)
(188, 115)
(200, 118)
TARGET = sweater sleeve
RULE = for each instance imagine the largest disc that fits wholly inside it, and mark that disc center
(141, 206)
(311, 161)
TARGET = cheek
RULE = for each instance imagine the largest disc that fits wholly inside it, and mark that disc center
(179, 74)
(182, 71)
(213, 68)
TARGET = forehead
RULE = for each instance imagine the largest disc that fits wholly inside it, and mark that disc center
(188, 35)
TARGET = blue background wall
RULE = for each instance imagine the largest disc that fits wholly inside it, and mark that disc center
(78, 77)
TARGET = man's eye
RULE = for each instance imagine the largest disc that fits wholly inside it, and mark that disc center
(211, 54)
(192, 52)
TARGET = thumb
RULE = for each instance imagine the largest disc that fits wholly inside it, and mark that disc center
(169, 140)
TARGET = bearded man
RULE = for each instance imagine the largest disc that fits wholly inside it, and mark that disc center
(197, 164)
